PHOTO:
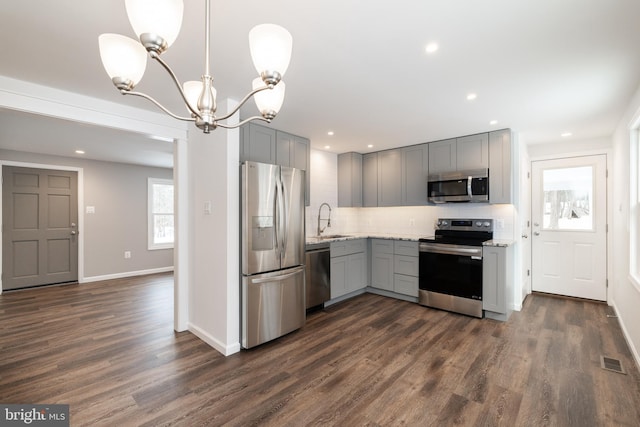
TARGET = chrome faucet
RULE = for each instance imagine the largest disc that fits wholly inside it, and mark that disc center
(328, 219)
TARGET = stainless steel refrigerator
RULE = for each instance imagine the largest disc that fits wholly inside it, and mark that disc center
(273, 285)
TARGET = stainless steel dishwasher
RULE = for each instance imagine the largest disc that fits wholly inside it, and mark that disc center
(318, 276)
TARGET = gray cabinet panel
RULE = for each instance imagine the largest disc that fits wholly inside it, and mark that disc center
(497, 289)
(350, 180)
(442, 156)
(370, 180)
(500, 167)
(406, 285)
(382, 271)
(472, 152)
(283, 148)
(390, 178)
(258, 144)
(415, 169)
(407, 265)
(348, 266)
(406, 247)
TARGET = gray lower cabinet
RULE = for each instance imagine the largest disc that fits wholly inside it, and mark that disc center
(348, 266)
(394, 266)
(497, 286)
(382, 268)
(370, 180)
(350, 180)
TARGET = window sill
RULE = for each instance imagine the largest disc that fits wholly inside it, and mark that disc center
(160, 247)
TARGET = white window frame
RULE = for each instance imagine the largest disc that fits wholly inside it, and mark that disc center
(634, 206)
(151, 245)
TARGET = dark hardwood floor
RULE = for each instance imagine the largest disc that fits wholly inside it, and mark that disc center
(109, 351)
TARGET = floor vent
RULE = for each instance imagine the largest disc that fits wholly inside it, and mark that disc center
(611, 364)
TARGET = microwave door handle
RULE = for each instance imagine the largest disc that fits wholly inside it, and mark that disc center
(469, 191)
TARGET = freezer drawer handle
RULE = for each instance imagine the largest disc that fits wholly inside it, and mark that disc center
(274, 278)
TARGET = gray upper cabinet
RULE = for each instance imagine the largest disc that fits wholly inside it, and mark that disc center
(350, 180)
(500, 170)
(294, 151)
(472, 152)
(390, 178)
(459, 154)
(415, 168)
(266, 145)
(370, 180)
(442, 156)
(257, 144)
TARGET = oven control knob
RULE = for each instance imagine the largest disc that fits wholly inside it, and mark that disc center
(486, 224)
(478, 224)
(444, 223)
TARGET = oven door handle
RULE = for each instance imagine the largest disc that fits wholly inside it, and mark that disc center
(440, 248)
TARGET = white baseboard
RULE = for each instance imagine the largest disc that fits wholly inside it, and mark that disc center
(226, 350)
(627, 337)
(125, 274)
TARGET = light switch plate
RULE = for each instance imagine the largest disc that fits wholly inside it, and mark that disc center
(91, 209)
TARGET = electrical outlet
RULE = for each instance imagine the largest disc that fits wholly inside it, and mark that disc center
(127, 254)
(500, 223)
(412, 222)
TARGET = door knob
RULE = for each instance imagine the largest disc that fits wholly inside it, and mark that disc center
(73, 233)
(536, 233)
(525, 236)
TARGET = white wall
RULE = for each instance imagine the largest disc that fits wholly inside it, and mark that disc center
(624, 296)
(214, 297)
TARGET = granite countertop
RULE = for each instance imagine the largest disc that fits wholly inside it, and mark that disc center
(499, 243)
(315, 242)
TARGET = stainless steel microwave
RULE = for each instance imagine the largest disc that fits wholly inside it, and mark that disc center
(462, 186)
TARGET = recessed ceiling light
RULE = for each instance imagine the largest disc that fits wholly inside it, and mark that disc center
(326, 147)
(330, 133)
(471, 96)
(79, 152)
(566, 134)
(370, 146)
(431, 47)
(493, 122)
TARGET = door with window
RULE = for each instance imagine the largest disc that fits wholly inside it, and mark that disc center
(40, 232)
(569, 247)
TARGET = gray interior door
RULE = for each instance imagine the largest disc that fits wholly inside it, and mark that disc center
(39, 217)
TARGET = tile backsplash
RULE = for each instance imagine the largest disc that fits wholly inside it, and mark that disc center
(406, 220)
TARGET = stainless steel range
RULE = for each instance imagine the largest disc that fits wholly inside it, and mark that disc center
(451, 265)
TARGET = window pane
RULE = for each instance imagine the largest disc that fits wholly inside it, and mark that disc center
(162, 229)
(568, 198)
(162, 198)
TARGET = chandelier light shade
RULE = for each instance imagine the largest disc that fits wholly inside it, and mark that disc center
(124, 59)
(157, 24)
(269, 102)
(270, 47)
(160, 18)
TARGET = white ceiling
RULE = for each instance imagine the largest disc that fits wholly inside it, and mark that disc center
(359, 68)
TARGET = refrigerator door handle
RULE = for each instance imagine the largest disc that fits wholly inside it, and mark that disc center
(274, 278)
(280, 217)
(285, 217)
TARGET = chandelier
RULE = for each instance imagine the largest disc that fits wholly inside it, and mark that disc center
(157, 24)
